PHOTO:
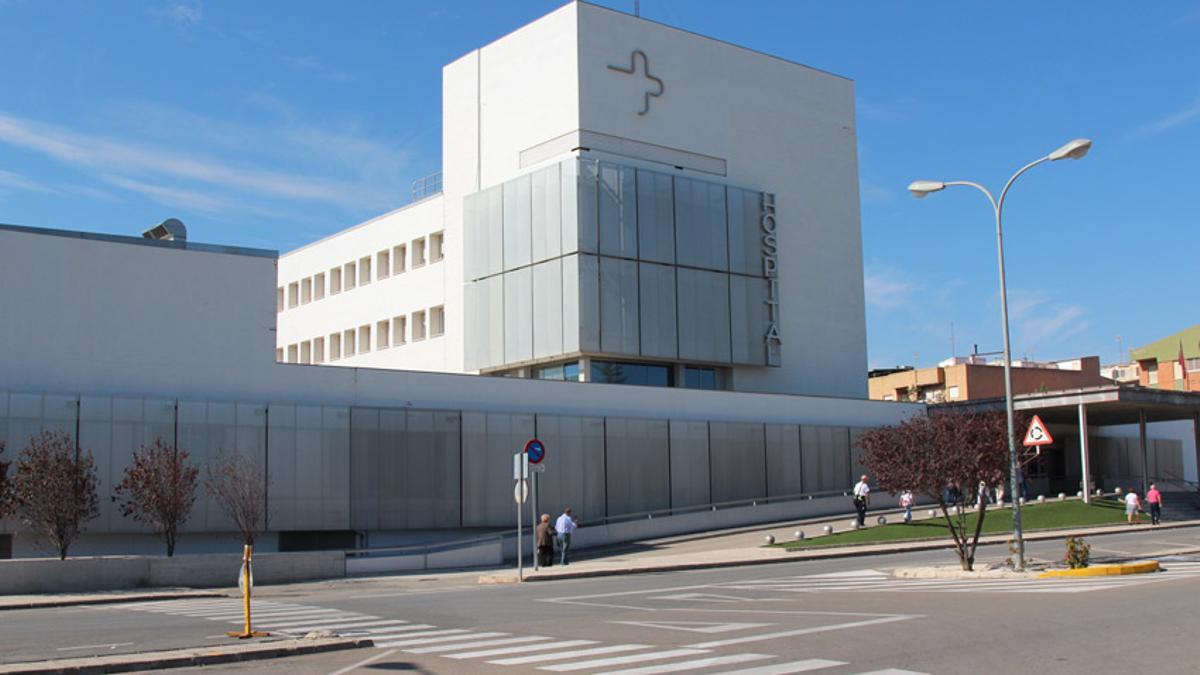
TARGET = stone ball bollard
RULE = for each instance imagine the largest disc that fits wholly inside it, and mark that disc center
(881, 520)
(1022, 501)
(799, 535)
(828, 529)
(770, 539)
(1041, 499)
(1118, 492)
(854, 524)
(1099, 492)
(1079, 494)
(932, 513)
(1062, 496)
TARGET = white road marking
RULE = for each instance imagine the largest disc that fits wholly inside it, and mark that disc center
(622, 660)
(695, 626)
(432, 640)
(523, 649)
(799, 631)
(691, 665)
(787, 668)
(364, 662)
(416, 628)
(561, 656)
(893, 671)
(474, 645)
(346, 621)
(111, 645)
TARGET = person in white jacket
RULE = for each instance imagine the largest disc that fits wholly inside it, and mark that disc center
(564, 526)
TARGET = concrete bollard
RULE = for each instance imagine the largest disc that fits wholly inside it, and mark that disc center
(828, 529)
(932, 513)
(1118, 492)
(1062, 496)
(881, 520)
(854, 524)
(770, 539)
(1041, 499)
(799, 535)
(1079, 494)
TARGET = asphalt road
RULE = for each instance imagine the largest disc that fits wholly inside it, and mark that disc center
(841, 616)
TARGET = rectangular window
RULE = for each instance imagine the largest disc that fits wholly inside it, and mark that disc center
(279, 305)
(364, 271)
(399, 329)
(399, 254)
(306, 290)
(563, 371)
(348, 342)
(319, 286)
(418, 326)
(335, 281)
(383, 264)
(418, 252)
(700, 378)
(293, 294)
(306, 352)
(1153, 377)
(279, 355)
(350, 275)
(644, 374)
(335, 346)
(437, 242)
(437, 321)
(319, 350)
(382, 330)
(952, 392)
(293, 353)
(364, 339)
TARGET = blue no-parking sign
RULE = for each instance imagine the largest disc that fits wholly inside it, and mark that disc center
(535, 451)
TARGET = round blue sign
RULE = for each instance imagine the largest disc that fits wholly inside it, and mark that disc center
(535, 451)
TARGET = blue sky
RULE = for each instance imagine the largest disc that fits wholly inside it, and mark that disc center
(270, 124)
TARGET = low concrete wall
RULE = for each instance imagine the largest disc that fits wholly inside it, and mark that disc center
(105, 573)
(484, 554)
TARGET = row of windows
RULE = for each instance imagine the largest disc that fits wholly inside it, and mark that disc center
(644, 374)
(386, 263)
(387, 333)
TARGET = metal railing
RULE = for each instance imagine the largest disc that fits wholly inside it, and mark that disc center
(427, 186)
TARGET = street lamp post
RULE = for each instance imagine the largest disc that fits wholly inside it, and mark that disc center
(1076, 149)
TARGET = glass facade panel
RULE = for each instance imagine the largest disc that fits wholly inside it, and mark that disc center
(548, 309)
(619, 306)
(655, 216)
(700, 378)
(643, 374)
(518, 244)
(656, 310)
(490, 213)
(617, 211)
(701, 239)
(518, 315)
(703, 302)
(547, 213)
(745, 239)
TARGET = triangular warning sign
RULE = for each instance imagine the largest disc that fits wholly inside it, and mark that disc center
(1037, 434)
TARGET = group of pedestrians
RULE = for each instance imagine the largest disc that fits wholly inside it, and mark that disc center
(546, 535)
(1133, 505)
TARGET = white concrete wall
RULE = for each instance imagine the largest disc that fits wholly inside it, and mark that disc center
(384, 298)
(780, 127)
(85, 314)
(1181, 431)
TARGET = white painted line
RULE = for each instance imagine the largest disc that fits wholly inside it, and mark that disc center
(349, 623)
(417, 640)
(472, 645)
(691, 665)
(893, 671)
(523, 649)
(321, 623)
(800, 631)
(364, 662)
(415, 628)
(622, 660)
(787, 668)
(560, 656)
(257, 611)
(111, 645)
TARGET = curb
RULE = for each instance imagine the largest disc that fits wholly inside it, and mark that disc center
(182, 658)
(1140, 567)
(833, 552)
(41, 602)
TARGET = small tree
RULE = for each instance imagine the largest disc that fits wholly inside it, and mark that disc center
(944, 456)
(4, 496)
(54, 488)
(239, 487)
(158, 490)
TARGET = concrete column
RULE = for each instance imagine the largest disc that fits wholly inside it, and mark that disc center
(585, 369)
(1142, 447)
(1083, 454)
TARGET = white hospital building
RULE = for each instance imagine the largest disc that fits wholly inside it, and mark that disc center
(621, 203)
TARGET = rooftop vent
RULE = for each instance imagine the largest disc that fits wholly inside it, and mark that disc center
(171, 229)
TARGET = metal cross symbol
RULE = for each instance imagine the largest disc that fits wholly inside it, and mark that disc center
(655, 91)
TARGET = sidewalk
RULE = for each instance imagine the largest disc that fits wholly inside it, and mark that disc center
(69, 599)
(746, 547)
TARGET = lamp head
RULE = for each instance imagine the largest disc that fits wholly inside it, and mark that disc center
(1076, 149)
(921, 188)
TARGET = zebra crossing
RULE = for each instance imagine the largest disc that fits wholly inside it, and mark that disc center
(495, 648)
(875, 581)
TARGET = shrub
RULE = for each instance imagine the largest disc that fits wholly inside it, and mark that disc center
(1078, 553)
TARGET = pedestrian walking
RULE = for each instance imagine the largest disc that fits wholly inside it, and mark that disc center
(1154, 499)
(981, 498)
(906, 502)
(862, 497)
(544, 538)
(1132, 506)
(564, 526)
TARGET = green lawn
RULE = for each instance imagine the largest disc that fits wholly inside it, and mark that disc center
(1048, 516)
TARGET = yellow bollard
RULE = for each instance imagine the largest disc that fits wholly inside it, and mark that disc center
(245, 583)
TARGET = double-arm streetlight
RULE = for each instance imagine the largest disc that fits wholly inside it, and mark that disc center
(1076, 149)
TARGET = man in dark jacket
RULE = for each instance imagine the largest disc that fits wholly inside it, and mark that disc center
(544, 538)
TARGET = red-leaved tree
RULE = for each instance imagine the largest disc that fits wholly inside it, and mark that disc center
(54, 488)
(239, 487)
(158, 490)
(944, 456)
(5, 503)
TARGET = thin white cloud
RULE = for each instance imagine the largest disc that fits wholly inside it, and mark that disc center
(15, 181)
(312, 65)
(875, 193)
(169, 196)
(1039, 321)
(1170, 121)
(885, 289)
(183, 13)
(112, 156)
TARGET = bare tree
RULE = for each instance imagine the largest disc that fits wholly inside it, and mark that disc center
(158, 490)
(240, 489)
(944, 456)
(54, 488)
(5, 497)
